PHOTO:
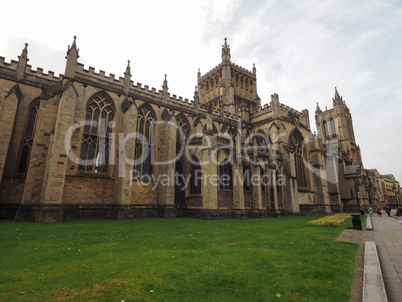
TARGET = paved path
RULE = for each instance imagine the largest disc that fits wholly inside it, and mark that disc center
(388, 239)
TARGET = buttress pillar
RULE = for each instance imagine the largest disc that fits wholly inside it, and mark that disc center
(210, 181)
(165, 166)
(44, 130)
(56, 163)
(320, 177)
(7, 117)
(256, 190)
(127, 137)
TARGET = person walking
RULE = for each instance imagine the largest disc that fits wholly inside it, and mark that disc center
(370, 211)
(398, 215)
(379, 211)
(388, 210)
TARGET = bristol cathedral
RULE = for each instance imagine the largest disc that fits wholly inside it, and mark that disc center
(86, 145)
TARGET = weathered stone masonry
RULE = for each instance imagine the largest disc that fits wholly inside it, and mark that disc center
(226, 133)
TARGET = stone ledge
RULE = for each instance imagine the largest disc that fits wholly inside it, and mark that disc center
(369, 224)
(373, 283)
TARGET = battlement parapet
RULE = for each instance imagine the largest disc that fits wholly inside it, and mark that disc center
(243, 70)
(38, 72)
(41, 74)
(101, 76)
(211, 72)
(293, 111)
(12, 65)
(261, 110)
(179, 101)
(152, 91)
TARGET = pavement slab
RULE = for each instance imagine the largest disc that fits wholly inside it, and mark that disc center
(388, 238)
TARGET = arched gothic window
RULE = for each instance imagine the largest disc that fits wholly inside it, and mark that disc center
(325, 129)
(333, 129)
(263, 180)
(262, 141)
(28, 138)
(195, 181)
(96, 139)
(183, 124)
(144, 144)
(246, 177)
(225, 175)
(296, 144)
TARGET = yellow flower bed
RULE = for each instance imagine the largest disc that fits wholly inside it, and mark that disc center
(332, 220)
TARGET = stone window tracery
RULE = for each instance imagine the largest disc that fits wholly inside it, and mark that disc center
(225, 175)
(246, 177)
(326, 133)
(144, 145)
(96, 138)
(195, 181)
(28, 138)
(262, 141)
(333, 128)
(183, 124)
(296, 144)
(263, 180)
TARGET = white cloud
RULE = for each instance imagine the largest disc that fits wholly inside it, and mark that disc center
(301, 50)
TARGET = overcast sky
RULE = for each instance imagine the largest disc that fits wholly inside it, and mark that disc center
(302, 50)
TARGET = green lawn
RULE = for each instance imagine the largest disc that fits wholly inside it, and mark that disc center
(270, 259)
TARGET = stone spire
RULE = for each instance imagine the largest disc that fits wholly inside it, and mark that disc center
(254, 69)
(317, 109)
(196, 99)
(165, 91)
(127, 78)
(225, 53)
(22, 62)
(337, 98)
(72, 57)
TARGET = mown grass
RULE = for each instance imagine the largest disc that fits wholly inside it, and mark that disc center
(175, 259)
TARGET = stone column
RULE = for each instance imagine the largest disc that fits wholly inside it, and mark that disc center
(7, 117)
(124, 183)
(55, 171)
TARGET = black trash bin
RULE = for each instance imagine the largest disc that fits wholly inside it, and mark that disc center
(362, 212)
(357, 223)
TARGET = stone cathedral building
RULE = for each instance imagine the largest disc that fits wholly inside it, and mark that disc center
(89, 145)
